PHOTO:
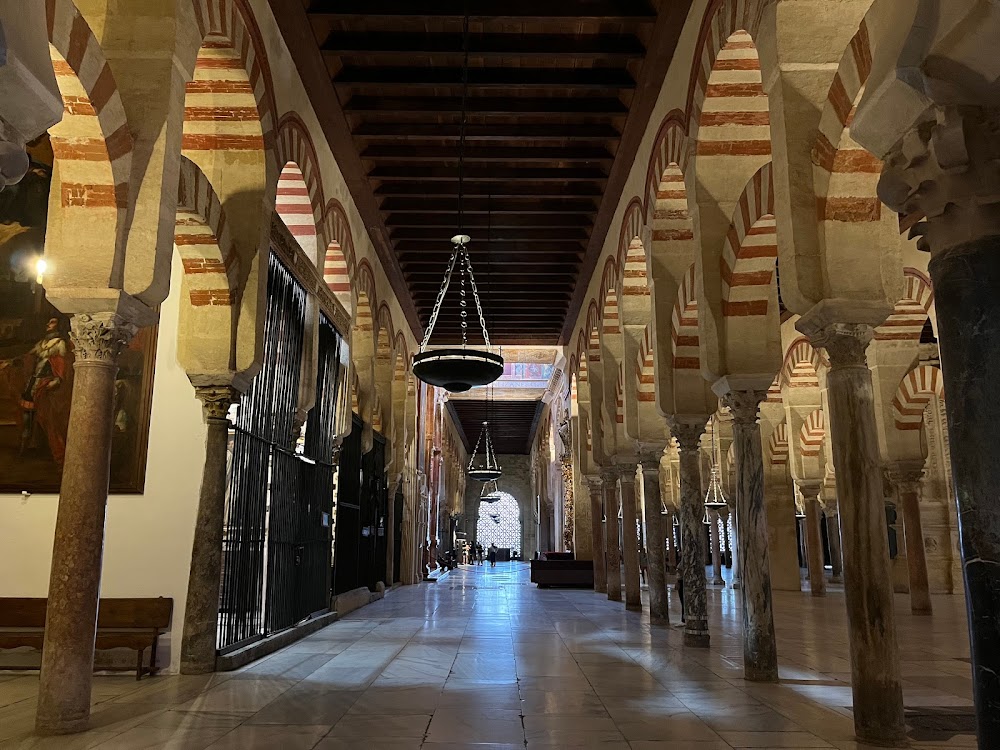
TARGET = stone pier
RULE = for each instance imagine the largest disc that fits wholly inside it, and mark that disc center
(875, 676)
(612, 548)
(630, 538)
(659, 603)
(597, 534)
(905, 475)
(688, 432)
(813, 538)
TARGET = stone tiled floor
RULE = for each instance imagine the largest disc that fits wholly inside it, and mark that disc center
(484, 660)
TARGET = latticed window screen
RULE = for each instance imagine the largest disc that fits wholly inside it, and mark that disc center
(499, 523)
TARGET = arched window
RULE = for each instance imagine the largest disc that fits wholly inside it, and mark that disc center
(499, 522)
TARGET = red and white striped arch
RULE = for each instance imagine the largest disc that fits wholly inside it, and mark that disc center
(847, 174)
(774, 391)
(210, 265)
(229, 104)
(727, 105)
(801, 365)
(666, 195)
(645, 374)
(299, 201)
(338, 265)
(812, 434)
(364, 318)
(916, 389)
(750, 251)
(684, 326)
(910, 313)
(610, 313)
(777, 445)
(631, 253)
(92, 143)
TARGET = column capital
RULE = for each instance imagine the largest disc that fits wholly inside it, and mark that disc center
(594, 482)
(216, 400)
(944, 169)
(905, 475)
(98, 338)
(744, 405)
(687, 429)
(609, 474)
(809, 490)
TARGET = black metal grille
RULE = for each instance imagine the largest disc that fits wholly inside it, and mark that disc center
(276, 547)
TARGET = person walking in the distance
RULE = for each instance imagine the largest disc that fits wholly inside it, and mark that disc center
(492, 555)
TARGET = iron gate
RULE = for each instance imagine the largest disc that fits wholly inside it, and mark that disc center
(276, 542)
(347, 547)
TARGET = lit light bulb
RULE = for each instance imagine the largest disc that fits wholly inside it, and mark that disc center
(40, 266)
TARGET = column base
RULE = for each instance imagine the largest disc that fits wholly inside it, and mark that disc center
(817, 593)
(921, 612)
(633, 607)
(659, 620)
(696, 638)
(719, 582)
(64, 726)
(613, 597)
(751, 674)
(837, 579)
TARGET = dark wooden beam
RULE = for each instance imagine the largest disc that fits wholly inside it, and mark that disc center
(479, 252)
(495, 188)
(364, 76)
(449, 173)
(374, 44)
(541, 234)
(487, 10)
(296, 30)
(498, 154)
(482, 220)
(536, 106)
(664, 38)
(418, 131)
(475, 208)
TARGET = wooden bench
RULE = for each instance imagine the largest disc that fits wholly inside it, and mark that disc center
(121, 623)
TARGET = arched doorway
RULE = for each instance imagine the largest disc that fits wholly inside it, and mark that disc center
(499, 522)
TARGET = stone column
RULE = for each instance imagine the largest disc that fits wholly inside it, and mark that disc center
(760, 654)
(672, 550)
(630, 539)
(612, 549)
(688, 432)
(735, 547)
(659, 603)
(875, 676)
(836, 552)
(201, 612)
(78, 546)
(814, 538)
(713, 530)
(905, 475)
(597, 531)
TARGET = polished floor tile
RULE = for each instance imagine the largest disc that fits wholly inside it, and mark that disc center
(484, 661)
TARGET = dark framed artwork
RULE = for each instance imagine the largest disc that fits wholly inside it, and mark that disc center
(37, 361)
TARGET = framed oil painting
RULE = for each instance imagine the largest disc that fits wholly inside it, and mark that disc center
(36, 357)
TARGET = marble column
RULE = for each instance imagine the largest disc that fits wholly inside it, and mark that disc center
(944, 168)
(814, 538)
(833, 535)
(78, 546)
(905, 475)
(735, 547)
(597, 535)
(713, 530)
(688, 432)
(201, 612)
(612, 548)
(630, 538)
(760, 653)
(659, 603)
(875, 675)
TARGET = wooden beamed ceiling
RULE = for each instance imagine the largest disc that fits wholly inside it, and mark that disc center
(512, 423)
(555, 87)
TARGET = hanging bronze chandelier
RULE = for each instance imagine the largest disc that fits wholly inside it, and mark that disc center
(458, 369)
(489, 470)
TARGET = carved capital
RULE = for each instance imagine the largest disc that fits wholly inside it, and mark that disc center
(810, 490)
(947, 169)
(687, 431)
(609, 475)
(744, 406)
(216, 400)
(845, 343)
(905, 475)
(98, 338)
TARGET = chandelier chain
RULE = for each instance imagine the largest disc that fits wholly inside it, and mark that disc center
(475, 296)
(440, 297)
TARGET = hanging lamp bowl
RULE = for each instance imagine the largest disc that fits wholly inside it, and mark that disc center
(485, 475)
(457, 370)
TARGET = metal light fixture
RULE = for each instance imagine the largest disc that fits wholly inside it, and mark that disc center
(490, 495)
(458, 369)
(490, 469)
(715, 497)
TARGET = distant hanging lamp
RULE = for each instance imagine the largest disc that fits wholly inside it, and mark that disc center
(715, 497)
(458, 369)
(490, 495)
(489, 470)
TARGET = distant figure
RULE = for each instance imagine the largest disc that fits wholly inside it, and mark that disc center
(492, 555)
(479, 554)
(643, 562)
